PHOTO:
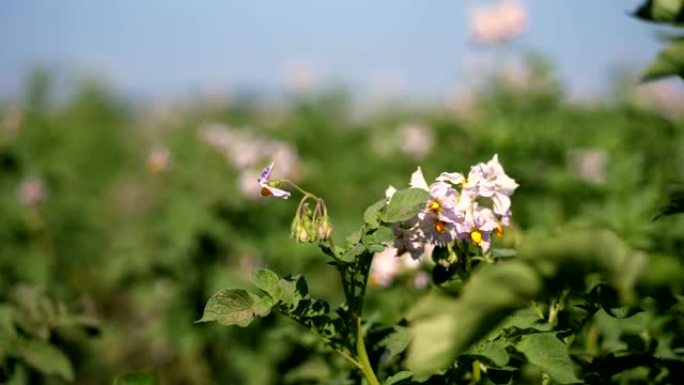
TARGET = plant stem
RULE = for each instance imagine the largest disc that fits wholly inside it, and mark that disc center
(363, 356)
(476, 372)
(342, 353)
(295, 186)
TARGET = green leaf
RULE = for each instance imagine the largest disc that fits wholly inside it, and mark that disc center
(492, 353)
(675, 204)
(294, 290)
(662, 11)
(550, 354)
(232, 307)
(405, 204)
(47, 359)
(443, 327)
(380, 237)
(670, 61)
(137, 379)
(269, 282)
(371, 215)
(353, 252)
(398, 378)
(396, 342)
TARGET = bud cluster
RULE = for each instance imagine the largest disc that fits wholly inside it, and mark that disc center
(311, 225)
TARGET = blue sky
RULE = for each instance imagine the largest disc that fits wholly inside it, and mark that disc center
(171, 47)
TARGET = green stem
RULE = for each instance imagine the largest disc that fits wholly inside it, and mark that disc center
(295, 186)
(476, 372)
(363, 356)
(342, 353)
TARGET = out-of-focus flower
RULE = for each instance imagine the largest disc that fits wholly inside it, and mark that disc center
(301, 75)
(31, 192)
(268, 187)
(665, 96)
(499, 22)
(588, 164)
(417, 140)
(244, 152)
(388, 264)
(12, 121)
(159, 159)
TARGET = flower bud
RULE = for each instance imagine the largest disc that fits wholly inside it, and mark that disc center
(324, 230)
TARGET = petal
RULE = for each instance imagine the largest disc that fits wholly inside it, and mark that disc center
(265, 174)
(418, 180)
(452, 177)
(502, 204)
(389, 193)
(278, 193)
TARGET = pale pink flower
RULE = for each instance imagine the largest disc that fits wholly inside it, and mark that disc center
(301, 75)
(159, 159)
(249, 187)
(588, 164)
(499, 22)
(388, 264)
(31, 192)
(417, 140)
(12, 121)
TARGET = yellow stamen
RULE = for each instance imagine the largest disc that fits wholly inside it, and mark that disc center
(476, 237)
(440, 226)
(434, 206)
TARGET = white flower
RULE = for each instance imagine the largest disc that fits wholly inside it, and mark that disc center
(490, 180)
(266, 185)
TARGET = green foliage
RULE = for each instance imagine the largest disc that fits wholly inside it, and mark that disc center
(670, 60)
(550, 354)
(119, 260)
(404, 205)
(137, 379)
(662, 11)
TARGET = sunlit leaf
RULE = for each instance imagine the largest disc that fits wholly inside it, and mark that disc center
(662, 11)
(269, 282)
(230, 307)
(47, 359)
(550, 354)
(399, 378)
(405, 204)
(370, 216)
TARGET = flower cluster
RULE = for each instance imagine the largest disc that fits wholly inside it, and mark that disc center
(460, 207)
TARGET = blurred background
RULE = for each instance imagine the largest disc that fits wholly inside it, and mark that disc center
(132, 134)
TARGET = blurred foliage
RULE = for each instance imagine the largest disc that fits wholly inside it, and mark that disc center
(109, 270)
(670, 60)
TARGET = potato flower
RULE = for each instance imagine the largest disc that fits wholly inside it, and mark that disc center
(268, 187)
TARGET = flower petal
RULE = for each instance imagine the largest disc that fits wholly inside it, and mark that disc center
(276, 192)
(418, 180)
(265, 174)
